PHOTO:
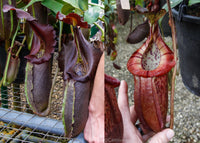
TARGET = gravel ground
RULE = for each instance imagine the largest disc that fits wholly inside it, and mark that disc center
(187, 105)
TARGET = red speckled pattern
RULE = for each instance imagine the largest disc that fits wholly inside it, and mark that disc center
(151, 96)
(150, 65)
(113, 117)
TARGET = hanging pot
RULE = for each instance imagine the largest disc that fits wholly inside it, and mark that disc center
(188, 33)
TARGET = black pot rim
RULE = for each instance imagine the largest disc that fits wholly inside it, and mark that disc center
(184, 17)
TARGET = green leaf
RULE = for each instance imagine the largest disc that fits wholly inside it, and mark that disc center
(79, 11)
(74, 3)
(173, 4)
(92, 14)
(191, 2)
(106, 2)
(113, 3)
(139, 2)
(62, 2)
(52, 5)
(67, 8)
(83, 4)
(30, 3)
(20, 4)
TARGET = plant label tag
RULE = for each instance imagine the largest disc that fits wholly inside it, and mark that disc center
(125, 4)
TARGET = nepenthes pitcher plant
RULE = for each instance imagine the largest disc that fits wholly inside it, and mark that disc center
(150, 65)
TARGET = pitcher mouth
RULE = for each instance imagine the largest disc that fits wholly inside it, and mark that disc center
(154, 58)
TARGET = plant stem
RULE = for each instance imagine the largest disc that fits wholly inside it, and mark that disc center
(9, 55)
(2, 16)
(31, 38)
(17, 54)
(11, 18)
(60, 36)
(18, 2)
(9, 2)
(24, 26)
(171, 23)
(78, 48)
(100, 28)
(33, 10)
(102, 19)
(72, 31)
(14, 36)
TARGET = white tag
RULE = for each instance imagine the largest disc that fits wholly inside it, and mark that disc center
(125, 4)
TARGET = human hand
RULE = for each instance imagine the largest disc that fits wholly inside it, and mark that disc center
(94, 129)
(131, 134)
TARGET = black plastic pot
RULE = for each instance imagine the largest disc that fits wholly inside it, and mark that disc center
(188, 34)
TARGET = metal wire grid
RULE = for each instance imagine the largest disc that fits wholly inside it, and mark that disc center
(14, 98)
(14, 134)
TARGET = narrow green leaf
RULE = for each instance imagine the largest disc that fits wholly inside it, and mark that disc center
(83, 4)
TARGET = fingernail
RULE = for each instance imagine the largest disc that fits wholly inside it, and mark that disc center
(170, 134)
(121, 82)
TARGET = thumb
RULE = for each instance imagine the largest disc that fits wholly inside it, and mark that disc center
(162, 137)
(123, 100)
